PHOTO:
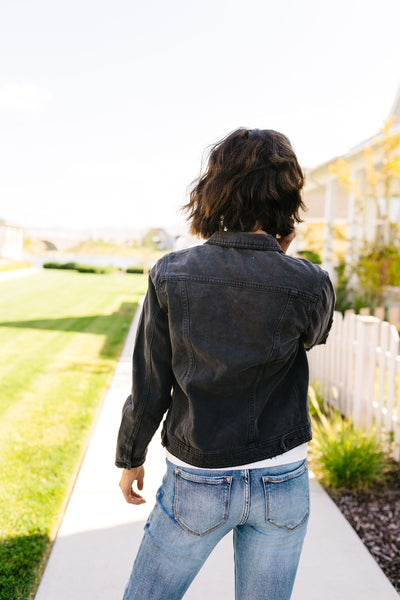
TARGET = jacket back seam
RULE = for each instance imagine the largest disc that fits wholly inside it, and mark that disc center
(261, 287)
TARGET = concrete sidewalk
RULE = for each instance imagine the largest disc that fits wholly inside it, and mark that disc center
(100, 533)
(17, 273)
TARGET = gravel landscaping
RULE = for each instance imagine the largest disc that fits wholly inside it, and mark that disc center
(375, 516)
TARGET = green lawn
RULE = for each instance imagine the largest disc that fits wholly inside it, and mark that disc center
(60, 337)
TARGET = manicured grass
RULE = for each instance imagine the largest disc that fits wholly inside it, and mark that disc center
(60, 337)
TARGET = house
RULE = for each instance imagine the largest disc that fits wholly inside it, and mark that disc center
(344, 208)
(11, 242)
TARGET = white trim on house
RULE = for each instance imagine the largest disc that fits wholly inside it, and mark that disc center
(11, 242)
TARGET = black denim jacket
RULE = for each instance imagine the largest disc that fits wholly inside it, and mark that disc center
(220, 348)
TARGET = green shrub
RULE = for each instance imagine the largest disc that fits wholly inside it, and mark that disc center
(377, 268)
(87, 269)
(344, 294)
(73, 266)
(315, 401)
(394, 271)
(345, 456)
(311, 255)
(69, 266)
(94, 269)
(51, 265)
(135, 270)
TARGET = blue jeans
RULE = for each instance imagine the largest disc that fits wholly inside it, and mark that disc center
(266, 508)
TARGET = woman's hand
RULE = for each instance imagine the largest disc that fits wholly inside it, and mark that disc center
(126, 484)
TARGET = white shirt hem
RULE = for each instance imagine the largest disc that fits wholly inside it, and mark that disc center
(291, 456)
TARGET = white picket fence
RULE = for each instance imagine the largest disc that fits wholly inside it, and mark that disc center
(358, 371)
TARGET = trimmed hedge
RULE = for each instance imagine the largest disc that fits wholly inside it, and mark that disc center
(93, 269)
(73, 266)
(69, 266)
(51, 265)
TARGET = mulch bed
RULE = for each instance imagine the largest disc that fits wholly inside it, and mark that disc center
(375, 516)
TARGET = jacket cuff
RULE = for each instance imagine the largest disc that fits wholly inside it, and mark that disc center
(131, 464)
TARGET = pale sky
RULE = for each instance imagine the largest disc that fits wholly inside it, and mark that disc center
(107, 106)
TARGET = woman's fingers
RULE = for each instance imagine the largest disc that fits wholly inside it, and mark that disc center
(129, 476)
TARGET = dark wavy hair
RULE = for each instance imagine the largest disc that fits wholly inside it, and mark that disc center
(252, 181)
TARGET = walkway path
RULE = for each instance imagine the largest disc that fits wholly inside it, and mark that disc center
(100, 533)
(15, 273)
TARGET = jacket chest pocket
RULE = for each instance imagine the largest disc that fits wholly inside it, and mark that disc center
(287, 498)
(201, 503)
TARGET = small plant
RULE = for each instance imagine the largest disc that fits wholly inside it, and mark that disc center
(343, 290)
(394, 272)
(343, 455)
(311, 255)
(377, 268)
(135, 270)
(315, 401)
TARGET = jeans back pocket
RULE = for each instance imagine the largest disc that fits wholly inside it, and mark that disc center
(287, 498)
(201, 503)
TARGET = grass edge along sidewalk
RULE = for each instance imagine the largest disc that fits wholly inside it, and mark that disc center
(61, 336)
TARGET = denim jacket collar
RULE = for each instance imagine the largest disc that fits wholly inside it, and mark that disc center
(240, 239)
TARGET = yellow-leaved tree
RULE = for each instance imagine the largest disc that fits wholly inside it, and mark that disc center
(376, 262)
